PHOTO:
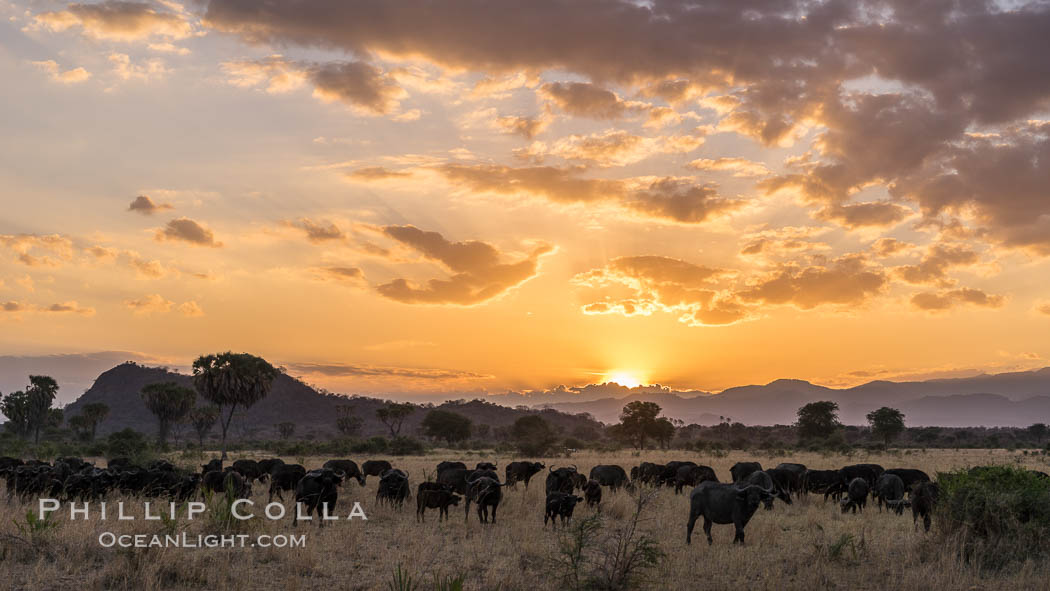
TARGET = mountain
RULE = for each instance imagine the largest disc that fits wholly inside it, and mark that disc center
(1014, 399)
(290, 400)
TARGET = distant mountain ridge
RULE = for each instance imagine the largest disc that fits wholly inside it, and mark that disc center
(1014, 399)
(290, 400)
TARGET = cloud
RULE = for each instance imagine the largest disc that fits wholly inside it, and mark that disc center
(146, 206)
(848, 279)
(859, 215)
(150, 69)
(70, 307)
(187, 230)
(477, 273)
(670, 199)
(613, 147)
(191, 309)
(377, 173)
(664, 284)
(884, 247)
(359, 84)
(349, 370)
(54, 72)
(582, 99)
(150, 304)
(740, 167)
(935, 264)
(1043, 308)
(527, 127)
(39, 250)
(934, 302)
(340, 274)
(317, 231)
(116, 20)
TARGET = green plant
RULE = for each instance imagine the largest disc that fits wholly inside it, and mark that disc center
(449, 583)
(34, 525)
(401, 580)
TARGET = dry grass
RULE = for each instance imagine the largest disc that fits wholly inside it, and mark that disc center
(807, 545)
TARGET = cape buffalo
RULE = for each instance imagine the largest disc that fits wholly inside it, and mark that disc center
(455, 479)
(592, 491)
(375, 467)
(692, 476)
(856, 495)
(724, 504)
(647, 473)
(230, 480)
(267, 466)
(889, 487)
(793, 475)
(561, 505)
(442, 466)
(347, 469)
(211, 466)
(522, 472)
(485, 466)
(669, 474)
(923, 498)
(826, 482)
(318, 489)
(285, 477)
(742, 470)
(561, 480)
(250, 470)
(764, 480)
(484, 491)
(431, 495)
(609, 475)
(869, 472)
(393, 487)
(909, 476)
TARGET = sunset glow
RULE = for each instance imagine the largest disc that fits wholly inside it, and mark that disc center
(465, 204)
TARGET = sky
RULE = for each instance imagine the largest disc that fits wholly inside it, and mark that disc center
(415, 197)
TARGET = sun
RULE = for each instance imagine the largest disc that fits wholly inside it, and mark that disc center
(624, 377)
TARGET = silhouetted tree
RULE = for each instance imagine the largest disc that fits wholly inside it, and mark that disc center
(38, 398)
(230, 380)
(15, 407)
(169, 402)
(663, 431)
(447, 425)
(533, 435)
(818, 420)
(80, 426)
(887, 423)
(203, 418)
(347, 422)
(638, 421)
(1038, 431)
(393, 414)
(94, 413)
(286, 429)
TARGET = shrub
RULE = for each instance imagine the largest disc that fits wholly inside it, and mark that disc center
(995, 515)
(406, 446)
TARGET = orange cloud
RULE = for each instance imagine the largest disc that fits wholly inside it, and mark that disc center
(187, 230)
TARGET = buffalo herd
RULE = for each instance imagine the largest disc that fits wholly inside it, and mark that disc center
(733, 503)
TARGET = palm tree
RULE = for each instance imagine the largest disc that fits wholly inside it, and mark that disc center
(94, 414)
(230, 380)
(170, 403)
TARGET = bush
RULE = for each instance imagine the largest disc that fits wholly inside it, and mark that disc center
(406, 446)
(995, 515)
(373, 445)
(129, 443)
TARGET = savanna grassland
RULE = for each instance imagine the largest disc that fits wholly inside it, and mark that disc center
(809, 544)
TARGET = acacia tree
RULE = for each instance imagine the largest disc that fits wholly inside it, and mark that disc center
(39, 396)
(203, 418)
(818, 420)
(170, 403)
(94, 414)
(230, 380)
(447, 425)
(393, 414)
(347, 422)
(285, 429)
(533, 435)
(15, 408)
(638, 422)
(887, 423)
